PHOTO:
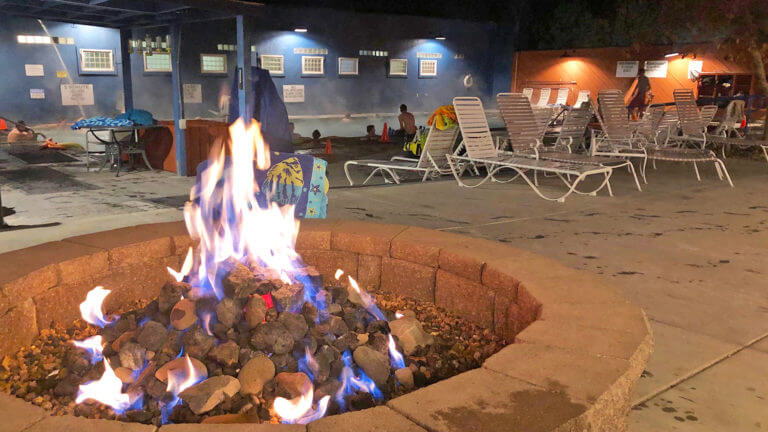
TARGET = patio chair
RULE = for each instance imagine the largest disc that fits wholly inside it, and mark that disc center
(528, 92)
(692, 122)
(581, 98)
(480, 151)
(734, 114)
(526, 141)
(543, 98)
(432, 161)
(617, 130)
(562, 96)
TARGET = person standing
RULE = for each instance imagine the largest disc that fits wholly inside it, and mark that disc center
(640, 96)
(407, 124)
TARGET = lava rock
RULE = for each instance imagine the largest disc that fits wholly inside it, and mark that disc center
(361, 401)
(272, 337)
(295, 324)
(229, 312)
(379, 342)
(310, 313)
(405, 377)
(292, 385)
(172, 344)
(179, 364)
(380, 326)
(197, 343)
(246, 354)
(240, 282)
(335, 309)
(152, 335)
(170, 294)
(225, 354)
(255, 311)
(126, 375)
(156, 388)
(257, 372)
(337, 325)
(204, 396)
(287, 296)
(132, 356)
(410, 334)
(123, 339)
(375, 364)
(67, 386)
(183, 314)
(346, 342)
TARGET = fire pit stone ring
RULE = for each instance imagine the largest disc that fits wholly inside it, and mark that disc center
(579, 346)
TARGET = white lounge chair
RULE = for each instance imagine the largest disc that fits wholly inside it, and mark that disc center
(692, 122)
(526, 139)
(432, 161)
(480, 151)
(543, 97)
(581, 98)
(562, 96)
(528, 92)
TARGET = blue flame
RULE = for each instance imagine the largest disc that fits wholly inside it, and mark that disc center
(352, 382)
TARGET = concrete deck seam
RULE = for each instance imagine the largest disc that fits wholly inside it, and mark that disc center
(35, 422)
(521, 219)
(698, 370)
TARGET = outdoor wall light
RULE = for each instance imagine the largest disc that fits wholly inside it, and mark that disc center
(671, 55)
(300, 29)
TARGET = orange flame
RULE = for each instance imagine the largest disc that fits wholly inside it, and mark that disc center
(339, 273)
(185, 268)
(299, 410)
(182, 379)
(90, 309)
(93, 345)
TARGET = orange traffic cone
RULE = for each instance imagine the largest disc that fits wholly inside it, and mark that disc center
(328, 149)
(3, 126)
(385, 133)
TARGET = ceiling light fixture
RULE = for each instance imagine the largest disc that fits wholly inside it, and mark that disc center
(440, 38)
(671, 55)
(300, 29)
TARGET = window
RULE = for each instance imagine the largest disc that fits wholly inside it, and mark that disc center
(323, 51)
(96, 60)
(427, 68)
(157, 62)
(398, 67)
(347, 66)
(429, 55)
(273, 63)
(374, 53)
(27, 39)
(312, 65)
(213, 63)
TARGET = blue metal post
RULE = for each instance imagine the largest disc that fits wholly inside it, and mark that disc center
(125, 59)
(243, 73)
(178, 102)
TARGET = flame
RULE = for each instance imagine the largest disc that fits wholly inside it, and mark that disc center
(205, 319)
(339, 273)
(178, 381)
(90, 309)
(397, 359)
(350, 382)
(94, 347)
(185, 268)
(107, 390)
(231, 222)
(398, 315)
(308, 364)
(299, 410)
(368, 302)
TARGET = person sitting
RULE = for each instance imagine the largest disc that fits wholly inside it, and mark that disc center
(407, 124)
(316, 138)
(21, 133)
(370, 135)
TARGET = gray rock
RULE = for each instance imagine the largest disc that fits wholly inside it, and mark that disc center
(152, 335)
(292, 385)
(170, 294)
(335, 309)
(405, 377)
(338, 326)
(410, 334)
(257, 372)
(204, 396)
(132, 356)
(183, 314)
(288, 296)
(255, 311)
(197, 343)
(226, 354)
(272, 337)
(229, 312)
(295, 324)
(375, 364)
(240, 282)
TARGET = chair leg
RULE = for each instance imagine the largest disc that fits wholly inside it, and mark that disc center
(696, 168)
(346, 171)
(634, 175)
(146, 161)
(725, 171)
(608, 184)
(103, 164)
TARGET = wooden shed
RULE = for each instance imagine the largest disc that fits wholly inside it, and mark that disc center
(596, 68)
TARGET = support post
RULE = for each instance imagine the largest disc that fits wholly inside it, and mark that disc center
(125, 59)
(243, 69)
(178, 101)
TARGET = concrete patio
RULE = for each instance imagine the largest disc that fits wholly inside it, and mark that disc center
(692, 254)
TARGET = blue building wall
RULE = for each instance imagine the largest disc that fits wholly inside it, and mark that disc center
(15, 102)
(479, 49)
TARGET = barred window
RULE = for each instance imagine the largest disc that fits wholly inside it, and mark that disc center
(428, 68)
(96, 60)
(312, 65)
(213, 63)
(157, 62)
(273, 63)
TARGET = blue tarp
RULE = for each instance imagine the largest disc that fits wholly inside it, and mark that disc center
(268, 109)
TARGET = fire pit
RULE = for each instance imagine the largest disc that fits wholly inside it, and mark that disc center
(246, 331)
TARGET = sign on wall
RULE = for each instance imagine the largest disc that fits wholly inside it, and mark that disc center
(77, 94)
(193, 93)
(694, 69)
(293, 93)
(37, 93)
(61, 74)
(34, 70)
(656, 68)
(626, 69)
